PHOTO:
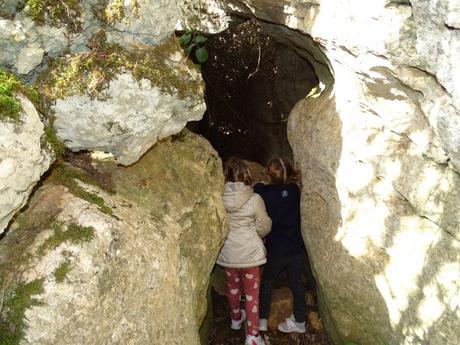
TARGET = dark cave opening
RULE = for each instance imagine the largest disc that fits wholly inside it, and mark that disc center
(254, 76)
(252, 83)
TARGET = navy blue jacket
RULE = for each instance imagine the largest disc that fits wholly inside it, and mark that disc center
(283, 207)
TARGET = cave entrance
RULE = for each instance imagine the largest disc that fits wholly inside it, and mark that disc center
(253, 80)
(255, 75)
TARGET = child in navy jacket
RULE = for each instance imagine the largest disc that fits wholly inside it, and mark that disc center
(285, 248)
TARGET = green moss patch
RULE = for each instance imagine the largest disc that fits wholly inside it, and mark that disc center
(110, 12)
(74, 234)
(90, 72)
(50, 138)
(10, 107)
(61, 271)
(17, 300)
(67, 175)
(60, 13)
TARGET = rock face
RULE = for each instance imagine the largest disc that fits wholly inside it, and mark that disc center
(144, 21)
(129, 272)
(23, 45)
(23, 159)
(128, 121)
(378, 148)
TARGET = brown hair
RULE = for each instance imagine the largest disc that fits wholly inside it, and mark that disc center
(236, 170)
(281, 171)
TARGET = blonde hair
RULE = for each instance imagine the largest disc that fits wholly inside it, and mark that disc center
(281, 171)
(237, 170)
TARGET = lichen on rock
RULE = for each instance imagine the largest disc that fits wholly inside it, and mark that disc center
(119, 101)
(133, 269)
(59, 13)
(23, 159)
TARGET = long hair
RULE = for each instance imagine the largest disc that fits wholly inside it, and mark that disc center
(236, 170)
(281, 171)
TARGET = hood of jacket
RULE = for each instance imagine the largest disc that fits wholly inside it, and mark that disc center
(235, 195)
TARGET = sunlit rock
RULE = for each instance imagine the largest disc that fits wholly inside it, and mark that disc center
(379, 152)
(124, 257)
(126, 106)
(23, 159)
(142, 21)
(206, 16)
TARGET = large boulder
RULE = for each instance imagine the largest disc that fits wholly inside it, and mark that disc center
(24, 157)
(122, 102)
(379, 151)
(117, 255)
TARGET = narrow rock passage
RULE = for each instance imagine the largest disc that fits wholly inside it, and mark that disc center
(252, 83)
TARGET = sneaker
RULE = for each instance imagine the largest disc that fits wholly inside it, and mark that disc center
(254, 340)
(236, 324)
(263, 325)
(290, 325)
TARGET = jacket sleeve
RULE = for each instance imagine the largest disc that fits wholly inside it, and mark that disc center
(263, 221)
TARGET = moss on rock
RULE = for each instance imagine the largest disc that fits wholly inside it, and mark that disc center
(59, 13)
(10, 107)
(74, 233)
(17, 299)
(61, 271)
(67, 175)
(90, 72)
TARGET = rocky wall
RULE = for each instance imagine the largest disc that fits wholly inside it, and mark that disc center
(113, 255)
(378, 148)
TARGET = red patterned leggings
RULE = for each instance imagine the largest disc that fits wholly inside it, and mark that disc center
(248, 278)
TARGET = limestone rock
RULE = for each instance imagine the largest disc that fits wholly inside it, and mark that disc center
(23, 159)
(129, 275)
(23, 45)
(8, 7)
(143, 21)
(206, 16)
(378, 148)
(379, 216)
(129, 116)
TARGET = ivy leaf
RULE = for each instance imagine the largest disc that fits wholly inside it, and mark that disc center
(199, 39)
(201, 55)
(189, 49)
(185, 39)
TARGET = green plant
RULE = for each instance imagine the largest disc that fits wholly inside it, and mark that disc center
(74, 233)
(91, 72)
(10, 107)
(66, 175)
(16, 302)
(58, 12)
(61, 271)
(193, 44)
(49, 137)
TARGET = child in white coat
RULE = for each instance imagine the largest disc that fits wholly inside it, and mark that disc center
(243, 251)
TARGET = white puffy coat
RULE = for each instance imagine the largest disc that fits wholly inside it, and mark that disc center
(248, 222)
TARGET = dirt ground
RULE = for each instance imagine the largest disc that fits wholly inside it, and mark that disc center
(221, 334)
